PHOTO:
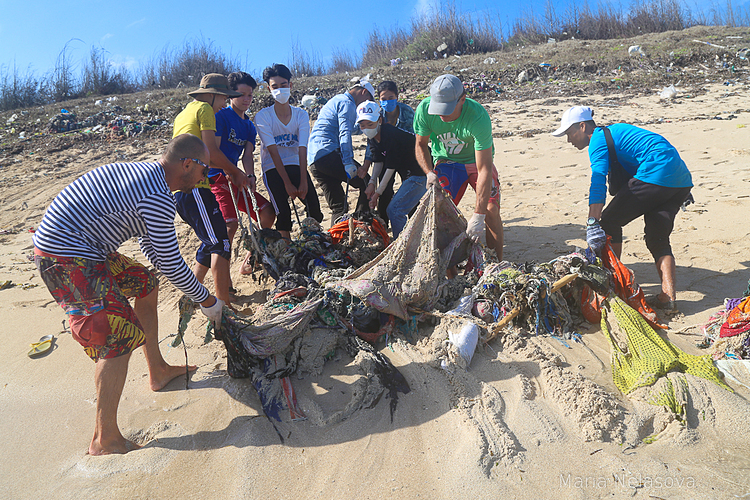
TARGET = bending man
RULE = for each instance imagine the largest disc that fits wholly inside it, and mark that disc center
(330, 154)
(460, 133)
(646, 177)
(76, 253)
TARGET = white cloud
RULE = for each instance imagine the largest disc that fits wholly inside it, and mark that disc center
(123, 62)
(134, 23)
(425, 8)
(105, 37)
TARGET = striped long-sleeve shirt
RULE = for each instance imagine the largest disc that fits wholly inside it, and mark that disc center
(94, 215)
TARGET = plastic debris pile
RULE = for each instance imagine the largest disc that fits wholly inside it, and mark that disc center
(315, 252)
(285, 339)
(112, 121)
(506, 287)
(303, 323)
(323, 306)
(727, 332)
(64, 121)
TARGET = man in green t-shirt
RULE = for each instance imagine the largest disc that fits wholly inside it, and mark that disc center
(459, 132)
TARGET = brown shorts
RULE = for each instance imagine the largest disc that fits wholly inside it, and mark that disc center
(95, 294)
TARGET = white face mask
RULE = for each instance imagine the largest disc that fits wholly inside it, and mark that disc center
(371, 132)
(281, 95)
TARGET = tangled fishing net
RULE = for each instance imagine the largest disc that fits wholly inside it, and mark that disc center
(642, 359)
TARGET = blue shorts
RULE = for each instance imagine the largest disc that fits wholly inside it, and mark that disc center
(200, 209)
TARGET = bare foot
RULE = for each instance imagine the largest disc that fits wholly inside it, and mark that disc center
(119, 446)
(158, 379)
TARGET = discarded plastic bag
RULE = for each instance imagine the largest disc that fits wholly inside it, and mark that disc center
(668, 93)
(308, 101)
(464, 306)
(635, 50)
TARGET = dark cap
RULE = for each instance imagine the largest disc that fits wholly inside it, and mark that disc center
(444, 94)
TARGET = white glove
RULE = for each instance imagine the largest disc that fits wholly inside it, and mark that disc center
(351, 170)
(475, 230)
(432, 179)
(214, 312)
(596, 238)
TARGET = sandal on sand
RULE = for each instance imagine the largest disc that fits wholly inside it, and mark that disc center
(669, 307)
(42, 346)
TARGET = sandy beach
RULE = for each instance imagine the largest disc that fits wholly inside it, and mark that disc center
(530, 418)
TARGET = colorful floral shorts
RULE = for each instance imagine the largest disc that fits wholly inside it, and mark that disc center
(95, 294)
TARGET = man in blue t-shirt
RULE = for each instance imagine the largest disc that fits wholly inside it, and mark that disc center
(646, 177)
(235, 136)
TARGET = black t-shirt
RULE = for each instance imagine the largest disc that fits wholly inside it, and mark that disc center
(396, 151)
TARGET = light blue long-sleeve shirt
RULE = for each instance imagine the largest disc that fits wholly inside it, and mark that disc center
(646, 155)
(333, 129)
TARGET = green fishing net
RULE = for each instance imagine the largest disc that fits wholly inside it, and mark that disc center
(641, 358)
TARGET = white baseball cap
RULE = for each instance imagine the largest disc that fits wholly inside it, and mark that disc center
(574, 115)
(365, 84)
(368, 110)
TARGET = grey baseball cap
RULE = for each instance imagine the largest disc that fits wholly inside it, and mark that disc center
(444, 94)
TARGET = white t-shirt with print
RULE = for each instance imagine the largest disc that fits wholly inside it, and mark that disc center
(287, 138)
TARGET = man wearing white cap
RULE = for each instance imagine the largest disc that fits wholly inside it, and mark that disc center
(330, 153)
(646, 176)
(459, 131)
(392, 149)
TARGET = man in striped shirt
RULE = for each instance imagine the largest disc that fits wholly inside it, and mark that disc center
(76, 253)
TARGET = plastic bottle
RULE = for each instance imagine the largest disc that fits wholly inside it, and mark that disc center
(464, 306)
(466, 340)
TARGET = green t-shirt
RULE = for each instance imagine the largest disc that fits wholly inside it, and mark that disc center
(457, 140)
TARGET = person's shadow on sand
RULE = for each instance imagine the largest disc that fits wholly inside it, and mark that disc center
(713, 285)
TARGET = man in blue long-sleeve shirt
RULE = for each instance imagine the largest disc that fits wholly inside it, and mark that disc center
(330, 153)
(648, 178)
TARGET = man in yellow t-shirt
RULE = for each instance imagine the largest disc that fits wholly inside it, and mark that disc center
(199, 207)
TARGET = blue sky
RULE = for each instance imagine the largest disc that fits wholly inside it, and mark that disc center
(258, 33)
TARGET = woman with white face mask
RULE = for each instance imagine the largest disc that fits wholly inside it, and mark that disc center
(393, 150)
(284, 130)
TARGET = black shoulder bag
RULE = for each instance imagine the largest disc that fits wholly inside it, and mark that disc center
(618, 176)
